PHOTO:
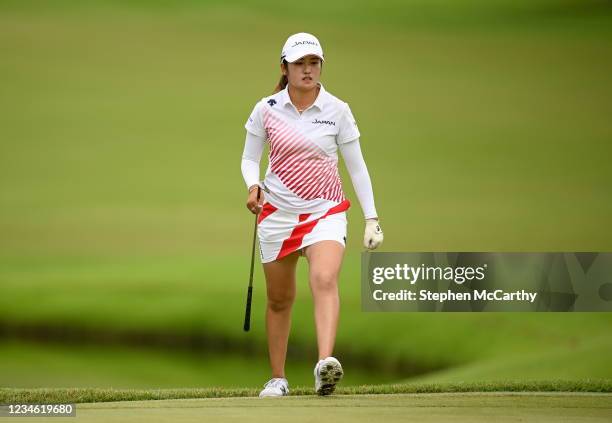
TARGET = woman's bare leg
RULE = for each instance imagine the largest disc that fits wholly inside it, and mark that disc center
(280, 282)
(325, 259)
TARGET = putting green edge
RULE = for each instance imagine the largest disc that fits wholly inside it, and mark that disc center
(88, 395)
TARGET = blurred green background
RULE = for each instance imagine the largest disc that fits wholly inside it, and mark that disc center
(124, 238)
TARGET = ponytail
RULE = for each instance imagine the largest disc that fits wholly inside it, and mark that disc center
(282, 83)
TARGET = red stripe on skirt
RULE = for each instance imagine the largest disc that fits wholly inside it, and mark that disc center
(303, 217)
(300, 231)
(266, 211)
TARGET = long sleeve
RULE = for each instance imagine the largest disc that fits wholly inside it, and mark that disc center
(355, 164)
(253, 148)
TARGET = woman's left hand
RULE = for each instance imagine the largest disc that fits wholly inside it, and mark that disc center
(373, 234)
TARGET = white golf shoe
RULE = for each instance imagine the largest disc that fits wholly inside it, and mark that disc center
(328, 372)
(275, 387)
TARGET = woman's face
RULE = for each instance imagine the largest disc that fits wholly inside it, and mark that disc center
(304, 73)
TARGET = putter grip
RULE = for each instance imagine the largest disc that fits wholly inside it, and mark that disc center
(247, 314)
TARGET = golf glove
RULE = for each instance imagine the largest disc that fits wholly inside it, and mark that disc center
(373, 234)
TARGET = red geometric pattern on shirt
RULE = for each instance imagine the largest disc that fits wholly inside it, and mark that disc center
(301, 165)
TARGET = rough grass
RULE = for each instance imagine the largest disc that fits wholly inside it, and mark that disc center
(88, 395)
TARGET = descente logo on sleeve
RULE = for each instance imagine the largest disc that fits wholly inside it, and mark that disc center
(323, 122)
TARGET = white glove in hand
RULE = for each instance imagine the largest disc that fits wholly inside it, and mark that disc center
(373, 234)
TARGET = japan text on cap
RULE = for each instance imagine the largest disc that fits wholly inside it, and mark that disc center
(300, 45)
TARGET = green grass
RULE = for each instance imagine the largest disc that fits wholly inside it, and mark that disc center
(485, 127)
(575, 362)
(462, 408)
(114, 301)
(57, 365)
(87, 395)
(475, 140)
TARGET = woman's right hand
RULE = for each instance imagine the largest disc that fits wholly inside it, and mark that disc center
(253, 204)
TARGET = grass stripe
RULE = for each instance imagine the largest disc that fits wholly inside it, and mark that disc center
(84, 395)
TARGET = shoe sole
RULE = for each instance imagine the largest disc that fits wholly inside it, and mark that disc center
(331, 373)
(274, 395)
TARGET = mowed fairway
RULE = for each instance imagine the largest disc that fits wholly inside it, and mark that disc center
(458, 407)
(124, 240)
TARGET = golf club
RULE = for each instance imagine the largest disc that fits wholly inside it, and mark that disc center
(247, 314)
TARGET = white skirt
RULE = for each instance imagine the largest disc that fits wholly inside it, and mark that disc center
(281, 233)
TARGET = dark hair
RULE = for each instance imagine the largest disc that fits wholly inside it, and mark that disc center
(282, 83)
(283, 80)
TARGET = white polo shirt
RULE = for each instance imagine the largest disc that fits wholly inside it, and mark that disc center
(302, 174)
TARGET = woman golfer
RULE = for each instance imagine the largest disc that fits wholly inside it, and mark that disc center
(300, 204)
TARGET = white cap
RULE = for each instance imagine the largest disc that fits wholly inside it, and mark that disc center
(299, 45)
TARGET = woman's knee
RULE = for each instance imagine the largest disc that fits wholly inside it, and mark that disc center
(324, 279)
(280, 280)
(280, 303)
